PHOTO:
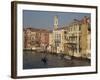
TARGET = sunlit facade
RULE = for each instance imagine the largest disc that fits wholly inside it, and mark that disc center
(73, 39)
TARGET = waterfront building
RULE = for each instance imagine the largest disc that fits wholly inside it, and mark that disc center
(44, 39)
(61, 37)
(59, 34)
(89, 45)
(78, 38)
(50, 47)
(85, 37)
(24, 37)
(31, 38)
(56, 36)
(36, 38)
(73, 38)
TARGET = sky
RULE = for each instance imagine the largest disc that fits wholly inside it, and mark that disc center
(45, 19)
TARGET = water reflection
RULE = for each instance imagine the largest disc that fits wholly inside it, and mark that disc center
(33, 60)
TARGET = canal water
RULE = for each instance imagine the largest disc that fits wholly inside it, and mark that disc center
(33, 60)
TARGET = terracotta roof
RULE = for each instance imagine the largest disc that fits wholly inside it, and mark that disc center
(61, 28)
(36, 29)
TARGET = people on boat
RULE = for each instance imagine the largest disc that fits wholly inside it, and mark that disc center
(44, 60)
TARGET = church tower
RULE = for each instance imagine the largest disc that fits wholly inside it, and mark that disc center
(55, 22)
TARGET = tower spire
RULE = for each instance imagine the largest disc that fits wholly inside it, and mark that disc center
(55, 22)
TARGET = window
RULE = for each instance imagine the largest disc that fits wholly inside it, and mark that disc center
(79, 27)
(65, 32)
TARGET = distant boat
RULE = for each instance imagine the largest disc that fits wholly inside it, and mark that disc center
(67, 57)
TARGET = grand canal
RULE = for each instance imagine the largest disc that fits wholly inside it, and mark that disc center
(33, 60)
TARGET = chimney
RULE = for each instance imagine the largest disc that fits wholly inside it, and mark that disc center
(85, 20)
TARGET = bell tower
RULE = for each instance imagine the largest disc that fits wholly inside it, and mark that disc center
(55, 22)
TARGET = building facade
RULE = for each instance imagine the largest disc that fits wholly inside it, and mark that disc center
(58, 37)
(85, 37)
(44, 39)
(36, 38)
(73, 39)
(78, 38)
